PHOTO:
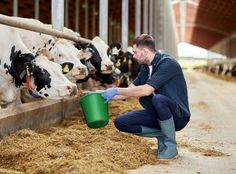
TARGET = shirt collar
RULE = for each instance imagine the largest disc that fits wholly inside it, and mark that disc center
(156, 59)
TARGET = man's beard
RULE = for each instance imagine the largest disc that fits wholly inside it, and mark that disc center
(144, 60)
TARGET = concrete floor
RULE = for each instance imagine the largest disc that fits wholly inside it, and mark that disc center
(208, 144)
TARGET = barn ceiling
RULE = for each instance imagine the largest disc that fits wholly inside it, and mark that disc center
(207, 21)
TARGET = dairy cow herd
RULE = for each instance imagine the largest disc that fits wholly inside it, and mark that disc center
(50, 67)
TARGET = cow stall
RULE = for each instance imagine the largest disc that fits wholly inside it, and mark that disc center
(40, 113)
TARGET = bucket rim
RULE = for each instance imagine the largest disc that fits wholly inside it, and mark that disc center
(86, 95)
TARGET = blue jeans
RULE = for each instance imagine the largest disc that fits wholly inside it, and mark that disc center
(163, 109)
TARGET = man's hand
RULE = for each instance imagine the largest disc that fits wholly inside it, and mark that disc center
(109, 94)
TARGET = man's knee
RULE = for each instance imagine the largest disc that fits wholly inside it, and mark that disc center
(119, 123)
(122, 124)
(162, 106)
(159, 101)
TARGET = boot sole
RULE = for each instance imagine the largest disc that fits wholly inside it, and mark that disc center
(163, 159)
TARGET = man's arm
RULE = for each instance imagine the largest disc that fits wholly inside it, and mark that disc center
(134, 91)
(121, 97)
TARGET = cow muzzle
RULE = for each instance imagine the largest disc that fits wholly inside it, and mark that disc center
(107, 69)
(79, 73)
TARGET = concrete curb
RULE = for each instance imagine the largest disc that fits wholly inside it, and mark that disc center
(36, 115)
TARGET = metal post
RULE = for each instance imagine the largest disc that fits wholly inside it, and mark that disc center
(36, 9)
(125, 24)
(137, 17)
(103, 20)
(67, 13)
(58, 14)
(15, 8)
(151, 17)
(145, 16)
(6, 20)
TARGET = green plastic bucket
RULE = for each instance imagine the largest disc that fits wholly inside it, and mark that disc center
(95, 110)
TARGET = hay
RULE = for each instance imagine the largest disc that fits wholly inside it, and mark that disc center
(72, 147)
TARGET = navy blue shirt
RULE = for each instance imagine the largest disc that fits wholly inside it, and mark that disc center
(167, 78)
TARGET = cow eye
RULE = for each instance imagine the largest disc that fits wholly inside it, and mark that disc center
(59, 55)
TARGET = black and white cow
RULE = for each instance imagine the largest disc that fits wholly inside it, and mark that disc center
(19, 67)
(100, 59)
(61, 51)
(128, 67)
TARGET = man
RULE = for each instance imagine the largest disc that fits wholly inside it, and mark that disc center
(163, 94)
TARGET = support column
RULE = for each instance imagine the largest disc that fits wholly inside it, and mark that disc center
(137, 17)
(145, 16)
(57, 14)
(151, 17)
(103, 20)
(15, 8)
(67, 13)
(125, 24)
(36, 9)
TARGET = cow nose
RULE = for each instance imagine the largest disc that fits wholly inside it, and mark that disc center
(83, 71)
(72, 90)
(109, 67)
(92, 71)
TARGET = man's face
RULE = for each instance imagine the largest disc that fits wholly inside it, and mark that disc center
(140, 54)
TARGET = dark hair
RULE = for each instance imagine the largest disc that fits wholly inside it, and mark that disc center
(146, 41)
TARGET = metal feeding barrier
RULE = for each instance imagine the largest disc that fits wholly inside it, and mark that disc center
(43, 113)
(7, 20)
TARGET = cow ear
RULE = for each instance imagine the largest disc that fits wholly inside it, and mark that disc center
(109, 51)
(118, 45)
(66, 67)
(112, 45)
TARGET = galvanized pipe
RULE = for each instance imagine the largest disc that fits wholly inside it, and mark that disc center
(6, 20)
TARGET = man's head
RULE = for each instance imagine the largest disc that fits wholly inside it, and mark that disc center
(144, 49)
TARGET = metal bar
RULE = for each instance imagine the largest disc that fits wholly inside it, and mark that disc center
(137, 17)
(36, 9)
(125, 22)
(6, 20)
(103, 19)
(15, 8)
(57, 11)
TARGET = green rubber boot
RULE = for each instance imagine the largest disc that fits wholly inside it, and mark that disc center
(168, 132)
(152, 132)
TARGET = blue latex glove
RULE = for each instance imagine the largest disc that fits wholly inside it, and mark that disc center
(109, 93)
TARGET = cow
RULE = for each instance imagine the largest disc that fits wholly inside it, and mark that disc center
(114, 51)
(61, 51)
(100, 59)
(128, 66)
(19, 68)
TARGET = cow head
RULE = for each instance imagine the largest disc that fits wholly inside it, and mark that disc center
(67, 56)
(43, 77)
(100, 58)
(85, 55)
(114, 50)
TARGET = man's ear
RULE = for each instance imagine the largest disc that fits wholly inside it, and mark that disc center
(145, 50)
